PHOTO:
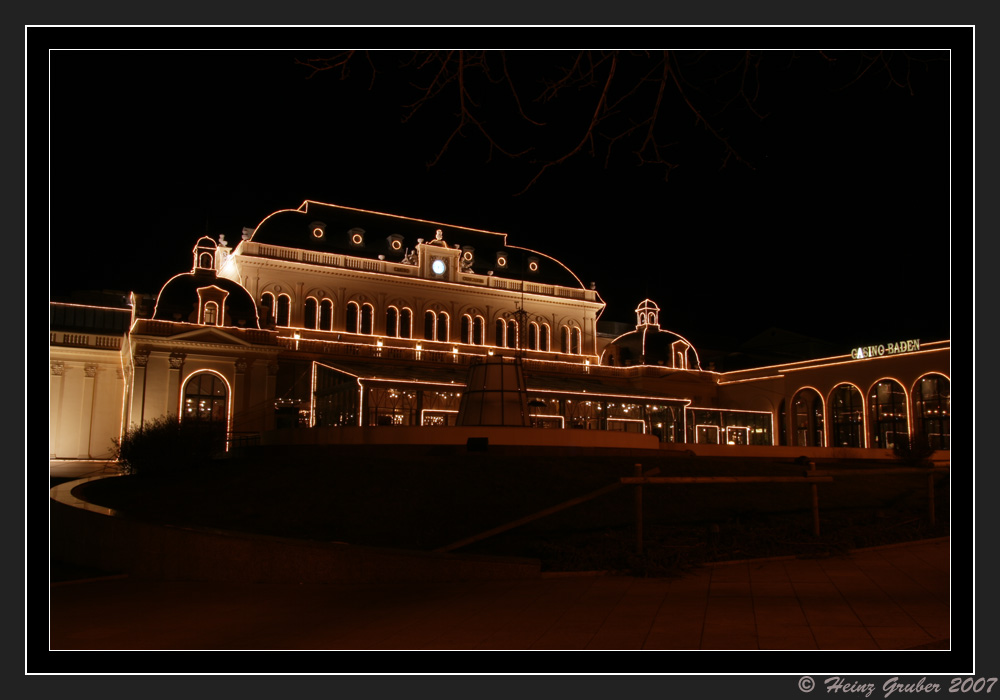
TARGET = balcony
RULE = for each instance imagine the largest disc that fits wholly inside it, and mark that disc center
(388, 267)
(85, 340)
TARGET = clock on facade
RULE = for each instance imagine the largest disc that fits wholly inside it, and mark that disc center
(438, 267)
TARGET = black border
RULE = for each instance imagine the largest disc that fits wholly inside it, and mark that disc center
(959, 659)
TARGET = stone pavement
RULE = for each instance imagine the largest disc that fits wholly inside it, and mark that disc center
(883, 598)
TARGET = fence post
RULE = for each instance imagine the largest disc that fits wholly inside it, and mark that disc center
(815, 501)
(638, 512)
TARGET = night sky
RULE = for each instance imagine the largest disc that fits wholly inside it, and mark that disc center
(832, 219)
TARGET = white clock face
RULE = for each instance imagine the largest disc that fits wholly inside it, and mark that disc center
(437, 267)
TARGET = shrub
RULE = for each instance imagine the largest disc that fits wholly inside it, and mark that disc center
(166, 445)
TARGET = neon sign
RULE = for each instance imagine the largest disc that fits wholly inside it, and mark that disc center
(886, 349)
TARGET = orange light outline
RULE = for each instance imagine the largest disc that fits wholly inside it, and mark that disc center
(562, 419)
(737, 427)
(753, 379)
(94, 306)
(805, 365)
(706, 425)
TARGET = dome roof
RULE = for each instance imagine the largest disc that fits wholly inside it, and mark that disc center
(649, 344)
(181, 297)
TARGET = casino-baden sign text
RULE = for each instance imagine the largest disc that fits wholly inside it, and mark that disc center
(887, 349)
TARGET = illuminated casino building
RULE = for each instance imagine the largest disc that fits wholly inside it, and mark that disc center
(327, 318)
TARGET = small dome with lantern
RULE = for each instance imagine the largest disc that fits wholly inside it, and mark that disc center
(202, 297)
(649, 344)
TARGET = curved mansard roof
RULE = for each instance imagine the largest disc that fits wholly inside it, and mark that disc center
(330, 228)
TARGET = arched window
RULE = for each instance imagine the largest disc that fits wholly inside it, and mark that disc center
(807, 418)
(932, 410)
(543, 341)
(465, 330)
(564, 339)
(205, 261)
(512, 333)
(326, 315)
(281, 317)
(501, 333)
(353, 317)
(887, 413)
(309, 320)
(847, 417)
(405, 323)
(392, 322)
(367, 318)
(478, 331)
(206, 398)
(430, 325)
(443, 322)
(267, 308)
(576, 343)
(532, 336)
(211, 317)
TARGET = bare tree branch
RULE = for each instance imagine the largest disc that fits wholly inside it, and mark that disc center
(604, 102)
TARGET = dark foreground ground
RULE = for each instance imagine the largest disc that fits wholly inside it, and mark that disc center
(882, 599)
(430, 500)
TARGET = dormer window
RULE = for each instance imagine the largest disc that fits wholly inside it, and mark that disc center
(211, 305)
(356, 237)
(318, 229)
(395, 244)
(211, 314)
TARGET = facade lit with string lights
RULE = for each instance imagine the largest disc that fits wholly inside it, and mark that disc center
(326, 319)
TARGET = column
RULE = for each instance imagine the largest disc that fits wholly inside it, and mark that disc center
(240, 398)
(86, 410)
(173, 407)
(137, 403)
(55, 404)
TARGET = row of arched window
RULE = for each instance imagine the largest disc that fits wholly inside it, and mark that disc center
(399, 323)
(888, 417)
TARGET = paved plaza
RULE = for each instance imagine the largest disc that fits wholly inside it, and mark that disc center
(885, 598)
